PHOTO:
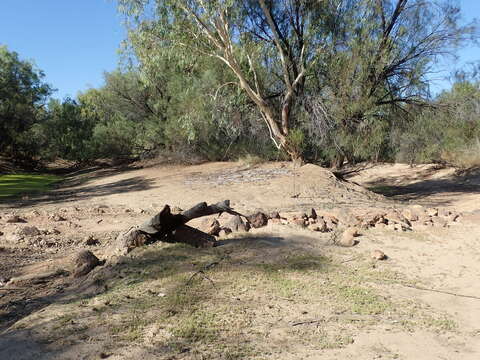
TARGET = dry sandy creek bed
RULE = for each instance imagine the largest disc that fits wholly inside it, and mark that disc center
(278, 292)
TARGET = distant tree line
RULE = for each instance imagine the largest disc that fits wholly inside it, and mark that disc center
(325, 81)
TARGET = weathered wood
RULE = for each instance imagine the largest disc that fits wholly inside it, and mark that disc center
(189, 235)
(169, 227)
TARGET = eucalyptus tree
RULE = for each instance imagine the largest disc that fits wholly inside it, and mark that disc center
(269, 47)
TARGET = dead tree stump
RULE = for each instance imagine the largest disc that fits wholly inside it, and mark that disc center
(169, 227)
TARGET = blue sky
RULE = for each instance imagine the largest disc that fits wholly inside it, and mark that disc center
(72, 41)
(75, 41)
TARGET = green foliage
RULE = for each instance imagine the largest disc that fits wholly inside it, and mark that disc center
(449, 132)
(65, 132)
(22, 96)
(325, 80)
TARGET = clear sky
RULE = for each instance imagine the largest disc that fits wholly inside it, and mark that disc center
(75, 41)
(72, 41)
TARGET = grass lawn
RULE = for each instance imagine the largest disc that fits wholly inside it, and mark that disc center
(22, 184)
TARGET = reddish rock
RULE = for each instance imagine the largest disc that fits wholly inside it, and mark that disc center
(378, 255)
(258, 220)
(210, 226)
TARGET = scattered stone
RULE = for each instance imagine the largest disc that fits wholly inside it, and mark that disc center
(452, 217)
(348, 237)
(410, 215)
(322, 225)
(35, 213)
(85, 262)
(274, 221)
(294, 215)
(299, 222)
(224, 232)
(330, 224)
(127, 210)
(440, 222)
(56, 217)
(432, 212)
(353, 231)
(1, 233)
(29, 231)
(275, 215)
(91, 241)
(444, 212)
(15, 219)
(210, 226)
(379, 255)
(237, 224)
(258, 220)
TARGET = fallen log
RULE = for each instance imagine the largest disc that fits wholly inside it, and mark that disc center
(169, 227)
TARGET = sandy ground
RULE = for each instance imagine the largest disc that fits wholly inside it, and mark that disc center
(103, 202)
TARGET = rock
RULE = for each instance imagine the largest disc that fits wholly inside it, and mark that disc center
(319, 225)
(322, 225)
(299, 222)
(348, 237)
(237, 224)
(85, 262)
(353, 231)
(258, 220)
(210, 226)
(439, 222)
(380, 225)
(410, 215)
(1, 233)
(432, 212)
(91, 241)
(313, 214)
(330, 225)
(56, 217)
(274, 221)
(275, 215)
(28, 231)
(379, 255)
(14, 219)
(371, 219)
(224, 232)
(294, 215)
(396, 218)
(453, 218)
(444, 213)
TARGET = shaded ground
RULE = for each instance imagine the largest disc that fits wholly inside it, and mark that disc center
(279, 292)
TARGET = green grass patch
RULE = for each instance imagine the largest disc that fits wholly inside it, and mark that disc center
(22, 184)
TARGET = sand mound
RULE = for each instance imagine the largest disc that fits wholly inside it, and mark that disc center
(314, 181)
